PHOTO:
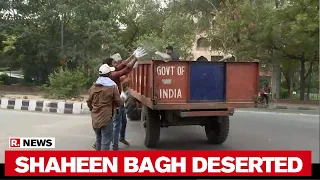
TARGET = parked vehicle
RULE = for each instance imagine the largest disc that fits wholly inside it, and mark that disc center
(181, 93)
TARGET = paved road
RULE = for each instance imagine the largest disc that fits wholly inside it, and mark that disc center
(250, 130)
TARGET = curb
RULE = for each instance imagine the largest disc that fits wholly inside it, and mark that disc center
(45, 106)
(306, 108)
(297, 108)
(282, 107)
(70, 107)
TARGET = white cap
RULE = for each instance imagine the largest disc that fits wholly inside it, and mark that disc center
(116, 57)
(105, 69)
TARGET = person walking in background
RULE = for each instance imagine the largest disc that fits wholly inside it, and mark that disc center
(103, 98)
(173, 55)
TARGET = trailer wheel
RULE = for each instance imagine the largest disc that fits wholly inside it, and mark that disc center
(217, 129)
(132, 111)
(150, 121)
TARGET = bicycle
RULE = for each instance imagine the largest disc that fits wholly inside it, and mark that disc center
(261, 102)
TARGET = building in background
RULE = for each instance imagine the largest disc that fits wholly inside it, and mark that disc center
(202, 51)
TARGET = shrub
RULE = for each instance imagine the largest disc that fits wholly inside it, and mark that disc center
(284, 93)
(4, 79)
(65, 84)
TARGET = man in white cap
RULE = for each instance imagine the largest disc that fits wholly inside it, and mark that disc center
(122, 68)
(104, 97)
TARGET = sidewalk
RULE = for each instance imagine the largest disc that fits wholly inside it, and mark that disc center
(297, 106)
(77, 106)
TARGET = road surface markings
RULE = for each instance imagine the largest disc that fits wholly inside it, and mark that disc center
(277, 113)
(46, 114)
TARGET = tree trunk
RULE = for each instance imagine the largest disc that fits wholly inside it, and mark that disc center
(276, 78)
(309, 86)
(291, 76)
(302, 78)
(286, 76)
(309, 77)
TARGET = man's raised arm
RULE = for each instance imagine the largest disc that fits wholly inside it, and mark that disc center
(125, 62)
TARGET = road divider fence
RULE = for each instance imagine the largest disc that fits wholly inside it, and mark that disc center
(45, 106)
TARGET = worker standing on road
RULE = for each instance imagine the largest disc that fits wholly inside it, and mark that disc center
(103, 98)
(173, 55)
(122, 68)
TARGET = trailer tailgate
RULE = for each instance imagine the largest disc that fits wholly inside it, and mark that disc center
(186, 85)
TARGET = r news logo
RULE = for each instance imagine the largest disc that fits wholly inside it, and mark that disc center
(32, 142)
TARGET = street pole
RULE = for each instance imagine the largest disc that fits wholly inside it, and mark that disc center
(62, 38)
(62, 34)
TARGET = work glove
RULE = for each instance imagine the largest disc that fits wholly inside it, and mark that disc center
(134, 52)
(124, 96)
(139, 52)
(135, 65)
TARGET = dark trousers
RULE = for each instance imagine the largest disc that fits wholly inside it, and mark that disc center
(265, 96)
(123, 123)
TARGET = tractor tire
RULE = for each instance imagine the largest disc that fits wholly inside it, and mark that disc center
(150, 122)
(133, 113)
(217, 130)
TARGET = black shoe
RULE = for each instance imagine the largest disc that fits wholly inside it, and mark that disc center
(124, 142)
(94, 146)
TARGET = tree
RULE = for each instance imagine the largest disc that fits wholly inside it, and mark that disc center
(270, 31)
(55, 33)
(149, 24)
(299, 36)
(138, 18)
(177, 30)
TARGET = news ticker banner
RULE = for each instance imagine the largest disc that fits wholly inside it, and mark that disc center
(157, 163)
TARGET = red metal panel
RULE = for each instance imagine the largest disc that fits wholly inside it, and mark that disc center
(141, 79)
(132, 80)
(135, 79)
(242, 81)
(149, 80)
(171, 81)
(145, 75)
(228, 112)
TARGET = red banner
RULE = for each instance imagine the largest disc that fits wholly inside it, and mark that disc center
(158, 163)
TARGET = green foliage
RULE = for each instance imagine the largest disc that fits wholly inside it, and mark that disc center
(4, 79)
(84, 26)
(65, 84)
(139, 17)
(9, 43)
(284, 93)
(45, 35)
(262, 80)
(268, 31)
(152, 43)
(42, 36)
(155, 27)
